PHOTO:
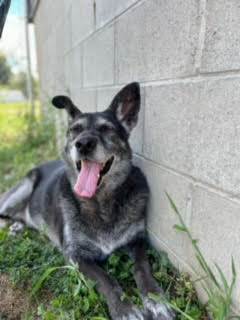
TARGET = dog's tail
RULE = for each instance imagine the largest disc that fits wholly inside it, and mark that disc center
(15, 200)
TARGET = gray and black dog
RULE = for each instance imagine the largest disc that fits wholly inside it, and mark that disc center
(94, 201)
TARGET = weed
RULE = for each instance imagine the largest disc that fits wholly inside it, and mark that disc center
(218, 290)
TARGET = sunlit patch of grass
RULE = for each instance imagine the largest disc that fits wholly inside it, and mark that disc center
(25, 142)
(12, 121)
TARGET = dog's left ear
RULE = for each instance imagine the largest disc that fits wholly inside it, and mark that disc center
(64, 102)
(126, 105)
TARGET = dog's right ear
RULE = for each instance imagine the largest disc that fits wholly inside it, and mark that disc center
(126, 105)
(64, 102)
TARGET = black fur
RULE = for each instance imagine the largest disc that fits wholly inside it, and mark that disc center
(87, 230)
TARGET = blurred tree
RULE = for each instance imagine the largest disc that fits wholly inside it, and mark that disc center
(5, 70)
(19, 82)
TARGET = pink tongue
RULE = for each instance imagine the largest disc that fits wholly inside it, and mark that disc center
(87, 180)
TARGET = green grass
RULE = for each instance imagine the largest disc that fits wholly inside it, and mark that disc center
(29, 256)
(24, 143)
(33, 265)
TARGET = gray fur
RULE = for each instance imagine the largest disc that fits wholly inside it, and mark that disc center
(13, 199)
(159, 310)
(87, 230)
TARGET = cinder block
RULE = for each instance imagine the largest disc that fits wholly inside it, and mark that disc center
(67, 31)
(49, 64)
(106, 10)
(222, 38)
(39, 28)
(50, 12)
(161, 217)
(161, 246)
(194, 128)
(42, 29)
(73, 68)
(57, 54)
(67, 70)
(67, 4)
(156, 40)
(98, 58)
(216, 225)
(82, 18)
(167, 125)
(76, 67)
(104, 98)
(59, 85)
(85, 100)
(55, 10)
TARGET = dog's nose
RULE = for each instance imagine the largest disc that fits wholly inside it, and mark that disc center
(86, 145)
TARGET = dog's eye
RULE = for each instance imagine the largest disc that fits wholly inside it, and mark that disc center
(76, 129)
(104, 128)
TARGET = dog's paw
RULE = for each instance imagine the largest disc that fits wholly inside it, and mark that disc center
(130, 314)
(158, 311)
(16, 228)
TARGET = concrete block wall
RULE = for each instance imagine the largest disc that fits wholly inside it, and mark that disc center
(186, 56)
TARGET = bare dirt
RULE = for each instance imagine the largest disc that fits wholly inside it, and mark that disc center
(14, 303)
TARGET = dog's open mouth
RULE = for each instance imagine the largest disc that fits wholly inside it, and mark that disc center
(90, 176)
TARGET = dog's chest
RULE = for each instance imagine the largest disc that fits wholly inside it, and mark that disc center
(109, 242)
(106, 241)
(101, 228)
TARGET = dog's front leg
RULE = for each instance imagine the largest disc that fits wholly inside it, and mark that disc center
(110, 288)
(147, 284)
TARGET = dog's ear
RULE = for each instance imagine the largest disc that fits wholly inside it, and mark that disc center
(126, 105)
(64, 102)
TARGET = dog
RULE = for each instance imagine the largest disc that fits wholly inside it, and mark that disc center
(94, 201)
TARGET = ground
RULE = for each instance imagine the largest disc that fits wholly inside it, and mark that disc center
(35, 282)
(13, 302)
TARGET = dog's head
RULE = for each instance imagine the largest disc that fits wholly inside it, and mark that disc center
(97, 148)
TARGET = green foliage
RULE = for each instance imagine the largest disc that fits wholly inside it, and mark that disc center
(214, 282)
(31, 262)
(5, 70)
